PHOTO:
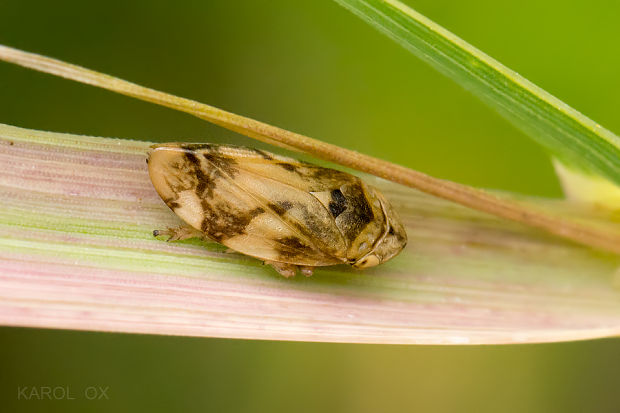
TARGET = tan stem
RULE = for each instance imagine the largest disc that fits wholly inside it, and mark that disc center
(461, 194)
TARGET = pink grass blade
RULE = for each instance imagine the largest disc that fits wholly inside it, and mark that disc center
(76, 252)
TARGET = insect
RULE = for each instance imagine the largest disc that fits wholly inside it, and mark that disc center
(291, 214)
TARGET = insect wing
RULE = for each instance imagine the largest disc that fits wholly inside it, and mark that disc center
(248, 200)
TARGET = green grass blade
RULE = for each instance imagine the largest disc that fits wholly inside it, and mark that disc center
(589, 189)
(568, 135)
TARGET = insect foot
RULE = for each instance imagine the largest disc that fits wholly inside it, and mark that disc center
(179, 233)
(306, 270)
(287, 270)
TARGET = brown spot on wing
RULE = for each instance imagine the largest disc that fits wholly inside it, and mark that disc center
(280, 207)
(264, 154)
(329, 174)
(222, 221)
(287, 165)
(338, 203)
(224, 163)
(290, 247)
(203, 176)
(203, 182)
(198, 146)
(358, 213)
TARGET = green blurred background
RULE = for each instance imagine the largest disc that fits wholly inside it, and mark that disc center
(312, 67)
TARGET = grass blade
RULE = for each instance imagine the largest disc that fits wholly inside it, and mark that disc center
(76, 251)
(587, 188)
(568, 135)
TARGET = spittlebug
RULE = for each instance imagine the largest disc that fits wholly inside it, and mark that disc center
(290, 214)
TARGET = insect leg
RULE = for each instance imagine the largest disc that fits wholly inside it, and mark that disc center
(179, 233)
(306, 270)
(287, 270)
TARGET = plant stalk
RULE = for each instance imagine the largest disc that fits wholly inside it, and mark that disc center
(462, 194)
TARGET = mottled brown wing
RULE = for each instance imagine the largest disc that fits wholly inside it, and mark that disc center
(355, 210)
(252, 201)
